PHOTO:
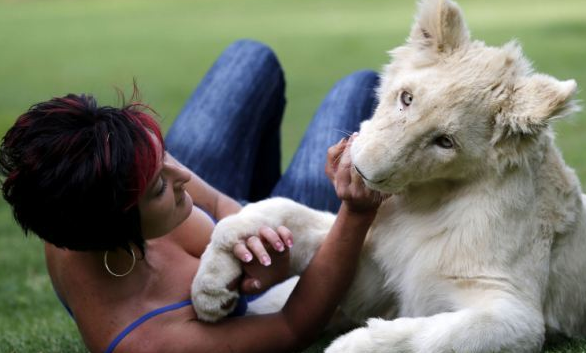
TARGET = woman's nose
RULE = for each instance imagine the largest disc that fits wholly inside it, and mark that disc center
(182, 176)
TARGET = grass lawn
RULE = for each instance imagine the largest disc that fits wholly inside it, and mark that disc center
(50, 48)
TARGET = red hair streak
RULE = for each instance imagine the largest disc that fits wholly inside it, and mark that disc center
(145, 151)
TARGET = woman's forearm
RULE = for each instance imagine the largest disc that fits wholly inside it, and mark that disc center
(207, 197)
(328, 276)
(225, 206)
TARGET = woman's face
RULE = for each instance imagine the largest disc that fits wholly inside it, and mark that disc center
(165, 203)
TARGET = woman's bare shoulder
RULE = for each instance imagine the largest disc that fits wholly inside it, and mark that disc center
(103, 307)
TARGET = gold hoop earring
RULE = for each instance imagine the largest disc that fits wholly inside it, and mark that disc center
(117, 274)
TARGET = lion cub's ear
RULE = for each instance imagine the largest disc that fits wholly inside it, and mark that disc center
(439, 27)
(535, 100)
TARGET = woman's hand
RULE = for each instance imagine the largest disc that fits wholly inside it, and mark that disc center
(271, 250)
(333, 158)
(349, 185)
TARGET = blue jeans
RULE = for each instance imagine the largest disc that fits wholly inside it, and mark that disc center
(228, 133)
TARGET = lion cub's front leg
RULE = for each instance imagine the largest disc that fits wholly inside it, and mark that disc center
(492, 321)
(218, 267)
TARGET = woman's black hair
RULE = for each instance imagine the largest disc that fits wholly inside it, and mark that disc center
(74, 171)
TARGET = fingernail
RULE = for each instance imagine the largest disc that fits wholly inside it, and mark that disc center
(355, 134)
(266, 260)
(290, 243)
(247, 257)
(280, 246)
(256, 284)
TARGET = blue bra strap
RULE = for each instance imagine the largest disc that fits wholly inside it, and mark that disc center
(144, 318)
(241, 307)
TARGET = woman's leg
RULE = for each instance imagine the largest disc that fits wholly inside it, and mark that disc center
(228, 132)
(350, 101)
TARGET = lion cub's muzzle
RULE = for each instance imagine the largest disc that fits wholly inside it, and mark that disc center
(365, 178)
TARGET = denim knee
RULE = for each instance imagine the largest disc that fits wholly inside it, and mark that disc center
(256, 56)
(350, 101)
(362, 81)
(250, 46)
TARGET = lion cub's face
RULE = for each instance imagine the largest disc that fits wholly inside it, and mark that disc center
(450, 108)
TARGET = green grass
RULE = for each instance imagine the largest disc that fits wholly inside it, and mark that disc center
(50, 48)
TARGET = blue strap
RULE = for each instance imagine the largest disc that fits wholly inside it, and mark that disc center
(241, 307)
(240, 310)
(144, 318)
(165, 309)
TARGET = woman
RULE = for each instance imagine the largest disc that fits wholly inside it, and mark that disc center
(125, 222)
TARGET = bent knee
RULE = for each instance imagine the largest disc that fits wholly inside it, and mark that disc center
(255, 55)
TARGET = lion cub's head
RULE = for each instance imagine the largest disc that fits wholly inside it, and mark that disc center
(453, 109)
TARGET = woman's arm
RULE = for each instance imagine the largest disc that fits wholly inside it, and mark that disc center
(207, 197)
(307, 311)
(313, 301)
(219, 205)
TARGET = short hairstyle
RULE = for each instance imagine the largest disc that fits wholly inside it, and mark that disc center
(74, 171)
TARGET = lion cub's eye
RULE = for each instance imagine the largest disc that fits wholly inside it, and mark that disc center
(406, 98)
(444, 141)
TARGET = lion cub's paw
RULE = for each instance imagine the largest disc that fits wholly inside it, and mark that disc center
(211, 298)
(379, 336)
(358, 340)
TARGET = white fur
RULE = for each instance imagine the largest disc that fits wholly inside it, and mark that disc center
(481, 248)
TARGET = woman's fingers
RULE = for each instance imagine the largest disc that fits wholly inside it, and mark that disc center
(242, 253)
(258, 278)
(271, 237)
(333, 157)
(257, 248)
(336, 150)
(251, 249)
(286, 235)
(356, 183)
(251, 285)
(342, 179)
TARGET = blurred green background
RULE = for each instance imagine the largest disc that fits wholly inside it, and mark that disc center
(50, 48)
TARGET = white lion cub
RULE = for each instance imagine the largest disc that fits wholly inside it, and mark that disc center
(482, 248)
